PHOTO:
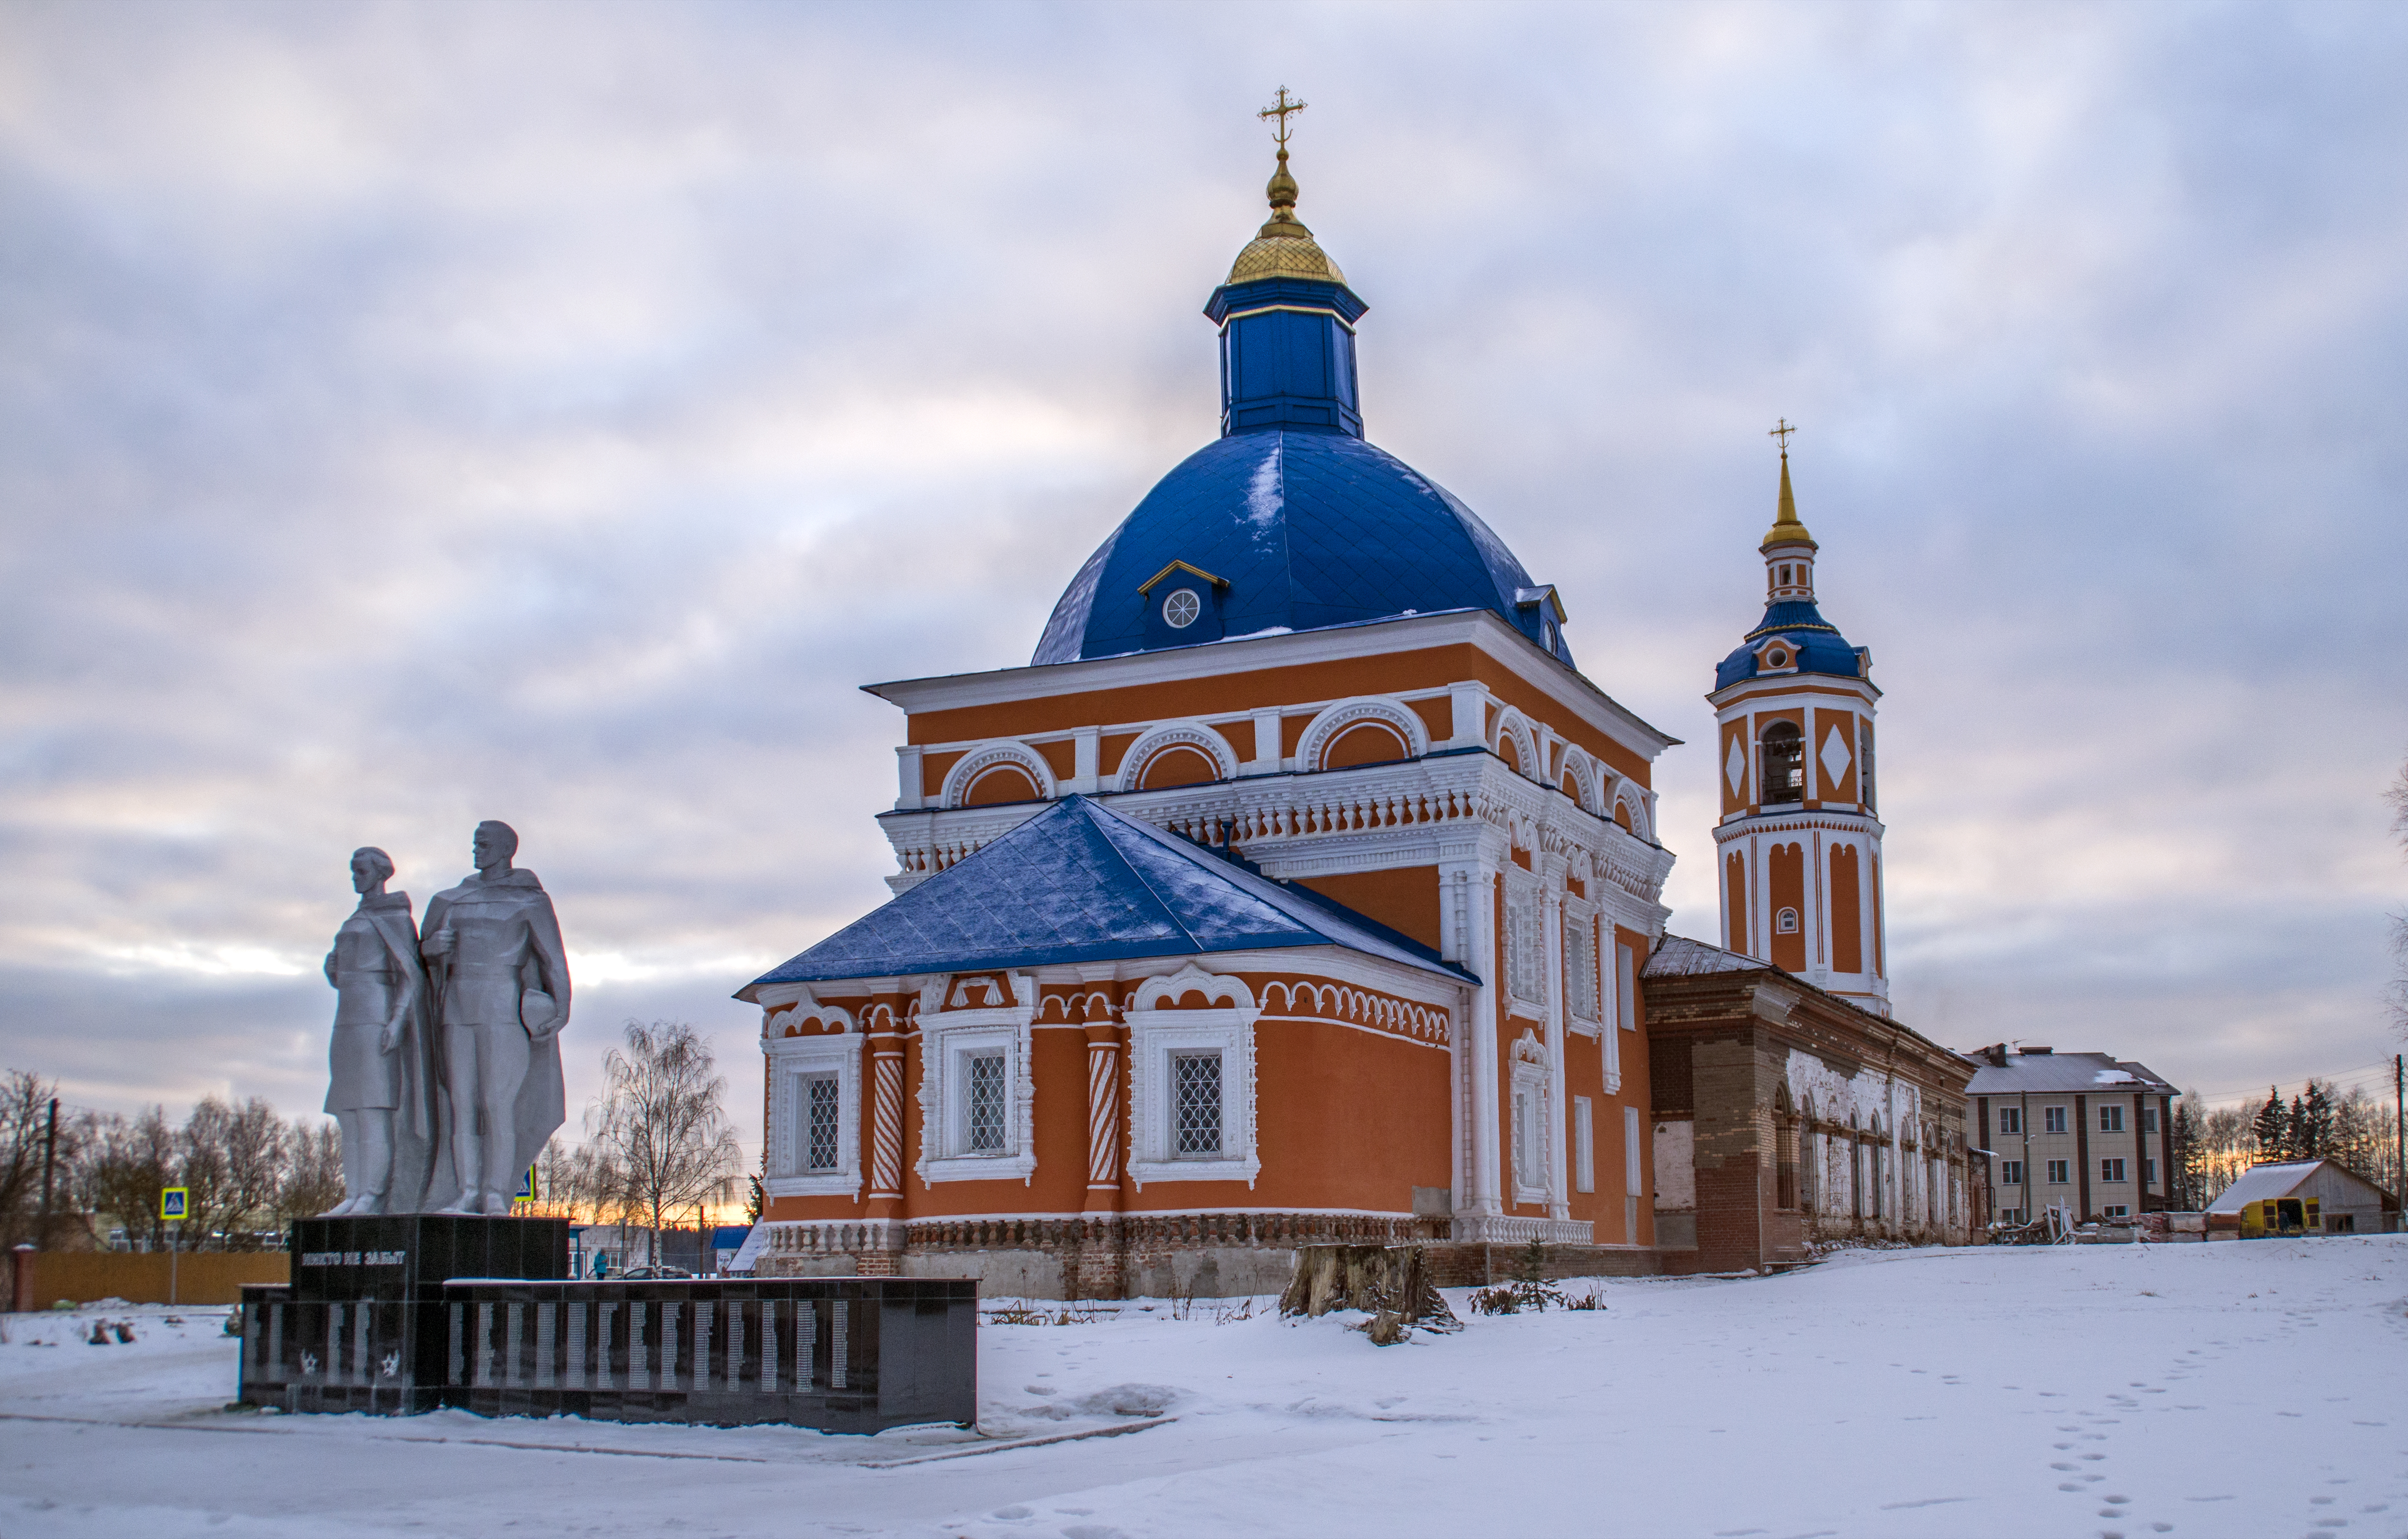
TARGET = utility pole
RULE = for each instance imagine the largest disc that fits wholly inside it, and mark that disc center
(50, 1164)
(2398, 1130)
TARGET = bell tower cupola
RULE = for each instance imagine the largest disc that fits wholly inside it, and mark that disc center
(1287, 322)
(1799, 840)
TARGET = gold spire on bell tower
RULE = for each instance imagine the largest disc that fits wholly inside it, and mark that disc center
(1284, 247)
(1787, 530)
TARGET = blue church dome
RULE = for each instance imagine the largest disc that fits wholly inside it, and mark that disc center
(1304, 530)
(1290, 522)
(1819, 646)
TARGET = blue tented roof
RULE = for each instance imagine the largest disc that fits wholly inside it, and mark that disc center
(1079, 882)
(1820, 647)
(1310, 530)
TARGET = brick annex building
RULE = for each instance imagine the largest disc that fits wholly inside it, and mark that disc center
(1301, 888)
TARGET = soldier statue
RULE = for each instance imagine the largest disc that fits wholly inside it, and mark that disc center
(380, 1059)
(499, 977)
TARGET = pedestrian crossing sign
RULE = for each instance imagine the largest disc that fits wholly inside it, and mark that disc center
(174, 1203)
(526, 1186)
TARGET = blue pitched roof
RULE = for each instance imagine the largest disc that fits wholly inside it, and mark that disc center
(1310, 530)
(1820, 647)
(1079, 882)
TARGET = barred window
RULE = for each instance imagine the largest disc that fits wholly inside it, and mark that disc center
(1580, 967)
(984, 1073)
(819, 1116)
(1196, 1104)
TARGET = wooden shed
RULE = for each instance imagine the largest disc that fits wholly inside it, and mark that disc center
(2304, 1197)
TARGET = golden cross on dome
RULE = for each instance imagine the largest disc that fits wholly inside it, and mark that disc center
(1281, 110)
(1782, 432)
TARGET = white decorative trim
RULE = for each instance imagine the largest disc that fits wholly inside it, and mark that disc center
(1527, 963)
(1587, 785)
(1511, 723)
(1580, 920)
(966, 769)
(1188, 734)
(789, 1059)
(946, 1037)
(1332, 723)
(1532, 1075)
(1157, 1029)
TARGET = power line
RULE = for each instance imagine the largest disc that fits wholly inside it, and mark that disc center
(2364, 1077)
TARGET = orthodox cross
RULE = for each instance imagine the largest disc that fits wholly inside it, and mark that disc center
(1281, 110)
(1782, 432)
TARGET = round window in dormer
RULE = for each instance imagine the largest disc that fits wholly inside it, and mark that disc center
(1180, 610)
(1775, 658)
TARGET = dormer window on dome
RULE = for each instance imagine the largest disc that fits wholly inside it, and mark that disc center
(1777, 656)
(1183, 606)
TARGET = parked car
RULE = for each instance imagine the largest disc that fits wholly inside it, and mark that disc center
(652, 1274)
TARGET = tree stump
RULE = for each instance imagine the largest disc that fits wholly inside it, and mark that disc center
(1391, 1282)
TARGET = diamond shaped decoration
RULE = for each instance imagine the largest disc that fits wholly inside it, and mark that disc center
(1835, 758)
(1736, 766)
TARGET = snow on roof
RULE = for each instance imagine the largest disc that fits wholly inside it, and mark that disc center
(2261, 1182)
(1079, 882)
(1678, 957)
(2061, 1073)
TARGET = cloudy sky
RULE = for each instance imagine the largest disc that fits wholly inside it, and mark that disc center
(410, 414)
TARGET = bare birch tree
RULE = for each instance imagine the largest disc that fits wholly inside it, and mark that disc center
(660, 1126)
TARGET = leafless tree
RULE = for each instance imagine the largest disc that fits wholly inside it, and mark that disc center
(234, 1159)
(126, 1160)
(25, 1126)
(660, 1128)
(313, 1171)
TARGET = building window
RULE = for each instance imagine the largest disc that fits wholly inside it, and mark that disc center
(2110, 1171)
(813, 1140)
(976, 1095)
(1579, 966)
(1180, 610)
(2010, 1119)
(2118, 1211)
(2149, 1173)
(2052, 1119)
(1528, 1180)
(2012, 1215)
(1785, 922)
(1865, 762)
(1525, 949)
(1191, 1081)
(1784, 762)
(1626, 993)
(2057, 1176)
(2011, 1172)
(2111, 1118)
(1196, 1109)
(982, 1077)
(821, 1120)
(1584, 1145)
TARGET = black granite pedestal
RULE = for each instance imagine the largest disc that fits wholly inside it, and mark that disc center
(361, 1326)
(410, 1313)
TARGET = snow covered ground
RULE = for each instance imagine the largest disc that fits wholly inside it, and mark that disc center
(2252, 1389)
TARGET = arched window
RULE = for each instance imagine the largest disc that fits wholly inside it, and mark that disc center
(1785, 763)
(1865, 764)
(1785, 1145)
(1004, 782)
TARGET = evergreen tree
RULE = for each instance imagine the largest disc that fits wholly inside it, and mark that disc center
(2190, 1187)
(2312, 1123)
(2273, 1127)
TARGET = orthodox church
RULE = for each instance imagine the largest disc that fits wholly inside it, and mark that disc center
(1300, 888)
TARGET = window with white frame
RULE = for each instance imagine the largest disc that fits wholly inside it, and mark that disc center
(2010, 1119)
(2121, 1210)
(976, 1095)
(2056, 1172)
(1584, 1145)
(2148, 1119)
(2149, 1173)
(2052, 1119)
(1191, 1081)
(2111, 1118)
(2011, 1172)
(2110, 1171)
(1525, 970)
(814, 1142)
(1533, 1119)
(1580, 965)
(1626, 991)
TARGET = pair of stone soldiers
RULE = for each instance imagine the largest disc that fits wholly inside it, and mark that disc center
(445, 1064)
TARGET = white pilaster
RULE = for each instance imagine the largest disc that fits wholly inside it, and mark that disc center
(1086, 753)
(1558, 1108)
(908, 779)
(1268, 750)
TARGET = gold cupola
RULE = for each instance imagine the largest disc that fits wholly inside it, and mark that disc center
(1787, 530)
(1284, 247)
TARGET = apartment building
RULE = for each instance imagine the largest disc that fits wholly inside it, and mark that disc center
(2085, 1129)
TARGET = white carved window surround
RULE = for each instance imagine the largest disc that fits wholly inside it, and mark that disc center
(1525, 945)
(1200, 1052)
(1533, 1116)
(794, 1064)
(1583, 1002)
(978, 1095)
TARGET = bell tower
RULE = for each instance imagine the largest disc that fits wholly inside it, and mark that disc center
(1799, 846)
